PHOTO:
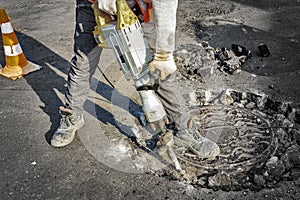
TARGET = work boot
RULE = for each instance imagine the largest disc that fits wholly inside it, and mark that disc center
(69, 124)
(202, 147)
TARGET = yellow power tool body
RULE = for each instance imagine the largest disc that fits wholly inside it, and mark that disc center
(125, 37)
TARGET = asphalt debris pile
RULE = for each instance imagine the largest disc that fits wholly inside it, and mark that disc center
(284, 119)
(230, 60)
(197, 60)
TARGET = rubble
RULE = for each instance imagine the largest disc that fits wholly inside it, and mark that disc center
(197, 60)
(275, 167)
(263, 50)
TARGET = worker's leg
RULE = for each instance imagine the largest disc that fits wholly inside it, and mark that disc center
(83, 65)
(170, 95)
(86, 59)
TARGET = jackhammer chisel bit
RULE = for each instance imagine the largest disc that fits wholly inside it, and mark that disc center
(165, 148)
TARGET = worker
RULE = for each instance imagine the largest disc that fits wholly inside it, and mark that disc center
(160, 34)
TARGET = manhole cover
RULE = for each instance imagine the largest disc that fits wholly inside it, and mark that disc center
(258, 140)
(246, 138)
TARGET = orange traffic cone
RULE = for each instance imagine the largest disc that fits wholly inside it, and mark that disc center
(16, 63)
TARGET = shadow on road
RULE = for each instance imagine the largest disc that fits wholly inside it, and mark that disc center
(44, 82)
(50, 80)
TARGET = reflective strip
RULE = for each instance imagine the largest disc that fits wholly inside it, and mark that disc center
(6, 28)
(14, 50)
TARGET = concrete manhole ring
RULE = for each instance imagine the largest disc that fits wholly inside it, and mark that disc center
(245, 137)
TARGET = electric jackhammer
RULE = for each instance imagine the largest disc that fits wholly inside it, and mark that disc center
(125, 37)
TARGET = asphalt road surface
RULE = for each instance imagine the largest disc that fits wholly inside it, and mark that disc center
(31, 169)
